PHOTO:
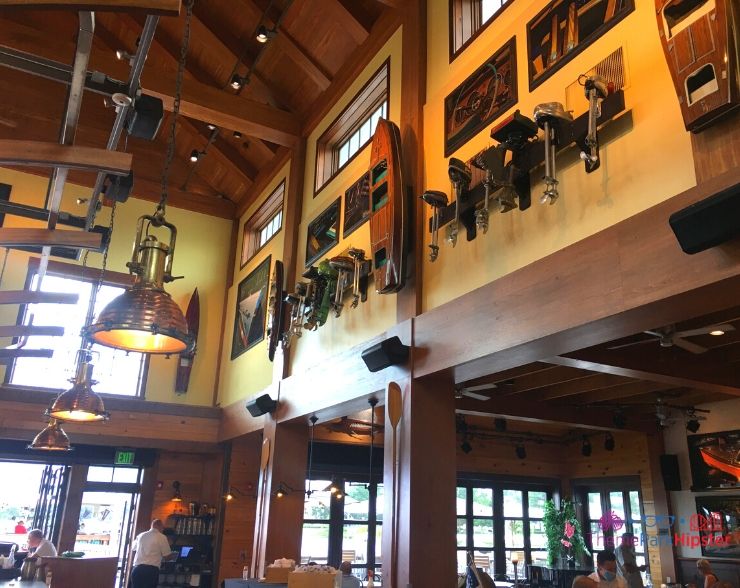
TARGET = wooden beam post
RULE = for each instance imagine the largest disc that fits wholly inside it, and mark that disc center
(161, 7)
(72, 505)
(39, 153)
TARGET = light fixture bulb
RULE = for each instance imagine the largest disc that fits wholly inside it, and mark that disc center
(609, 443)
(236, 82)
(264, 35)
(237, 135)
(521, 451)
(717, 332)
(692, 425)
(176, 495)
(194, 155)
(338, 495)
(229, 496)
(211, 127)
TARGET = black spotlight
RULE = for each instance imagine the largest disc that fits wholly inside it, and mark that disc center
(586, 447)
(609, 442)
(194, 155)
(521, 451)
(619, 420)
(466, 447)
(384, 354)
(261, 405)
(236, 82)
(692, 425)
(499, 425)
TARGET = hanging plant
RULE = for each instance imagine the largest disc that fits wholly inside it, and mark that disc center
(563, 532)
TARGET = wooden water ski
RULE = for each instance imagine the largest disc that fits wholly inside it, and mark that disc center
(699, 42)
(275, 309)
(387, 209)
(185, 363)
(395, 410)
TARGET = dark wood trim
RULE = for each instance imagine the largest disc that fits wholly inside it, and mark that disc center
(266, 211)
(263, 179)
(162, 7)
(83, 274)
(72, 507)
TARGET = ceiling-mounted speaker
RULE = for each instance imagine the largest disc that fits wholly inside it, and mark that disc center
(708, 223)
(145, 117)
(261, 405)
(118, 188)
(671, 474)
(384, 354)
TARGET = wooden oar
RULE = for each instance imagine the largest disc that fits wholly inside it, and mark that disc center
(395, 409)
(257, 554)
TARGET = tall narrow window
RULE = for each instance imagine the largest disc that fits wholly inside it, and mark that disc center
(468, 18)
(264, 224)
(354, 127)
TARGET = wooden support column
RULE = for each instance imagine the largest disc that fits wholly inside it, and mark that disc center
(424, 517)
(279, 521)
(72, 506)
(661, 557)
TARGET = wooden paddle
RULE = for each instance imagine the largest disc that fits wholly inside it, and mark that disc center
(257, 554)
(395, 409)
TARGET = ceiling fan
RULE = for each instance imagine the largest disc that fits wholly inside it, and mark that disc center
(474, 391)
(670, 337)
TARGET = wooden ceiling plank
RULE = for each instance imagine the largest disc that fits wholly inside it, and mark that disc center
(620, 392)
(349, 21)
(261, 181)
(508, 375)
(29, 237)
(574, 387)
(285, 42)
(43, 154)
(161, 7)
(542, 379)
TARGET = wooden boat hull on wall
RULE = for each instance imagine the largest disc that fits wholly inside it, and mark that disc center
(699, 42)
(387, 209)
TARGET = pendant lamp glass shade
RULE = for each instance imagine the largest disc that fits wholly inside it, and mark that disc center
(80, 403)
(52, 438)
(145, 319)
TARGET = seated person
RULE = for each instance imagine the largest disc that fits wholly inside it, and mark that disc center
(606, 571)
(348, 580)
(584, 582)
(20, 528)
(39, 546)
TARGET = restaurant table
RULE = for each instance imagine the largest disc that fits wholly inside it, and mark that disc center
(239, 583)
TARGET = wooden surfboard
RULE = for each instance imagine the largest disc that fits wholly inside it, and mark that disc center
(699, 42)
(275, 309)
(387, 209)
(185, 362)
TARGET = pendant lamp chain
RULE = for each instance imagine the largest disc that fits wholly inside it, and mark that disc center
(175, 109)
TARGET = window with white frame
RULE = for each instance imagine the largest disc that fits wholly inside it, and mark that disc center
(468, 18)
(263, 224)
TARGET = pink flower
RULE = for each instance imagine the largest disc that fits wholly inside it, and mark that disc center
(566, 543)
(569, 529)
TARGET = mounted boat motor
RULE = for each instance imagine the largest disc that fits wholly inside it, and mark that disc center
(596, 90)
(436, 200)
(343, 266)
(358, 291)
(297, 302)
(514, 134)
(550, 117)
(460, 177)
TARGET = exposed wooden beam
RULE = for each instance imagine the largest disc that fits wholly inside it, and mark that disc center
(507, 376)
(262, 179)
(36, 297)
(41, 154)
(541, 379)
(389, 3)
(574, 387)
(161, 7)
(700, 375)
(348, 21)
(28, 237)
(10, 354)
(298, 55)
(619, 392)
(30, 331)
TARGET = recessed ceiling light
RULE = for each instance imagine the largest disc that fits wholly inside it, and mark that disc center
(717, 332)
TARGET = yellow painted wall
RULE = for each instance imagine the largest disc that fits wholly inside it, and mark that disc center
(379, 312)
(647, 164)
(251, 372)
(201, 254)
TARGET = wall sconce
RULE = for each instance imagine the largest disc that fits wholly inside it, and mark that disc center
(177, 495)
(282, 490)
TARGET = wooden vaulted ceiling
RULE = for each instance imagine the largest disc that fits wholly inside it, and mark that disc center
(288, 77)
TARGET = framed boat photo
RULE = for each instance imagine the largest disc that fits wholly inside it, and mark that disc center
(715, 460)
(718, 522)
(323, 232)
(482, 98)
(356, 208)
(251, 309)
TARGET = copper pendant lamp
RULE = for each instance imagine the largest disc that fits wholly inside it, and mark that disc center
(80, 403)
(52, 438)
(144, 318)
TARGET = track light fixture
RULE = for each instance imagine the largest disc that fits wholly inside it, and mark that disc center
(122, 55)
(333, 486)
(692, 422)
(499, 425)
(237, 82)
(211, 127)
(176, 495)
(619, 420)
(282, 490)
(521, 451)
(264, 34)
(237, 135)
(194, 155)
(609, 442)
(586, 447)
(466, 447)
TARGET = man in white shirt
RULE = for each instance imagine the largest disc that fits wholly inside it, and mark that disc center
(348, 580)
(151, 548)
(39, 546)
(606, 571)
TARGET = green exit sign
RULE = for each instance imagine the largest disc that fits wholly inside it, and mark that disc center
(124, 457)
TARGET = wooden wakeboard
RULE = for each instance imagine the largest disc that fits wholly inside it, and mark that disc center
(185, 361)
(700, 42)
(387, 209)
(275, 309)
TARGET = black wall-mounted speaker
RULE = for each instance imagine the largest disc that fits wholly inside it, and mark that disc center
(384, 354)
(708, 223)
(145, 117)
(669, 470)
(261, 405)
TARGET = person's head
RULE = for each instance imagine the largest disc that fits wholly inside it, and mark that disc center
(606, 565)
(584, 582)
(19, 522)
(703, 566)
(628, 539)
(157, 524)
(345, 567)
(35, 537)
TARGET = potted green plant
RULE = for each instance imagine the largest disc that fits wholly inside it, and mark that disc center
(563, 532)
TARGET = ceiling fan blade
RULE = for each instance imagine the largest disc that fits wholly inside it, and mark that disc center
(474, 395)
(689, 346)
(633, 343)
(478, 388)
(705, 330)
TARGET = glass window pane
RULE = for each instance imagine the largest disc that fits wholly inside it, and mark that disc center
(536, 504)
(354, 544)
(317, 505)
(640, 540)
(461, 501)
(126, 475)
(482, 533)
(520, 565)
(354, 144)
(462, 561)
(514, 533)
(635, 505)
(483, 502)
(99, 474)
(462, 532)
(379, 503)
(616, 502)
(374, 120)
(343, 154)
(539, 557)
(594, 505)
(364, 132)
(537, 536)
(484, 561)
(378, 542)
(356, 502)
(315, 543)
(513, 503)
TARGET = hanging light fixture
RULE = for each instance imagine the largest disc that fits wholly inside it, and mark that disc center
(176, 495)
(80, 403)
(145, 318)
(52, 438)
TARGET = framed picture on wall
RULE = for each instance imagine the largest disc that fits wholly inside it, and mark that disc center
(715, 460)
(251, 309)
(356, 205)
(322, 233)
(718, 524)
(480, 99)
